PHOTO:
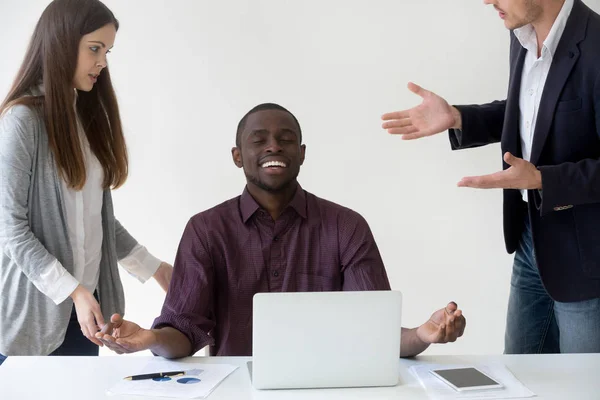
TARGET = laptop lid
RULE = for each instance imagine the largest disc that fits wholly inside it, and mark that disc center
(326, 339)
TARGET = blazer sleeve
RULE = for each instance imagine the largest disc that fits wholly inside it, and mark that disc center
(481, 125)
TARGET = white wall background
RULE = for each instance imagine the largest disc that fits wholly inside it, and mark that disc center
(186, 71)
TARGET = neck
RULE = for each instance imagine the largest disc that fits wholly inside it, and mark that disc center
(273, 202)
(543, 24)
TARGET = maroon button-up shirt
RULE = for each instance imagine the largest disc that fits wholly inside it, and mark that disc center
(235, 250)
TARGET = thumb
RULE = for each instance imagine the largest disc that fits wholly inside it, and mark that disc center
(510, 159)
(416, 89)
(116, 320)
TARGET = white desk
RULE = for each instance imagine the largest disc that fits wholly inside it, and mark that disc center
(570, 377)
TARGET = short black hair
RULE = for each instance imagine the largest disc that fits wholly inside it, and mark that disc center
(263, 107)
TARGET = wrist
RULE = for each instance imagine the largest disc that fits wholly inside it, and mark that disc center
(77, 292)
(419, 336)
(160, 270)
(154, 343)
(457, 118)
(163, 267)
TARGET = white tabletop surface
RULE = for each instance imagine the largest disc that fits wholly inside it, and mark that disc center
(557, 376)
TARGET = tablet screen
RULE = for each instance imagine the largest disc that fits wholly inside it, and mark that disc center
(466, 377)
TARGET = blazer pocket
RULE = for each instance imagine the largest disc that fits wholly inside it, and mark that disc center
(569, 105)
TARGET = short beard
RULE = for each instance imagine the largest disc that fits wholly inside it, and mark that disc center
(534, 11)
(271, 189)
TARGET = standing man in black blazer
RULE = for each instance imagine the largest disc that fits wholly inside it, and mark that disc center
(549, 129)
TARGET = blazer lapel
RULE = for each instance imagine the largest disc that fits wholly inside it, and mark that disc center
(510, 135)
(567, 54)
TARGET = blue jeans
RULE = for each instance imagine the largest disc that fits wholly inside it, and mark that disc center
(537, 324)
(75, 344)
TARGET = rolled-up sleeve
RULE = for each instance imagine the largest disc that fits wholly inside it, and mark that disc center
(362, 266)
(57, 283)
(140, 263)
(189, 305)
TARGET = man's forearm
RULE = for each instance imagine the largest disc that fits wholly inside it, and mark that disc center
(171, 343)
(410, 344)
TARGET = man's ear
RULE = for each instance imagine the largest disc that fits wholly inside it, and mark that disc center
(236, 154)
(302, 153)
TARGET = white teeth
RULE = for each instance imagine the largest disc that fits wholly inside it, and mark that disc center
(273, 164)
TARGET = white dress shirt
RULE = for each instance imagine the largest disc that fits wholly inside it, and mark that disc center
(84, 220)
(535, 72)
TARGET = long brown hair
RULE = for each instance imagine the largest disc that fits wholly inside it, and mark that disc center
(51, 59)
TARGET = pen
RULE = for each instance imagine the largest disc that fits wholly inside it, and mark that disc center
(154, 375)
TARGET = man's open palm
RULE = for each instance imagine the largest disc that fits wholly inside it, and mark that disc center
(432, 116)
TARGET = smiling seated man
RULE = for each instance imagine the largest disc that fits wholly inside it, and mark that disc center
(275, 237)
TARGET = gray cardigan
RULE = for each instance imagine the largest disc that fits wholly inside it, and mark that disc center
(33, 233)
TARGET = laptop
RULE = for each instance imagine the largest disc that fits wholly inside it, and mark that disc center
(325, 339)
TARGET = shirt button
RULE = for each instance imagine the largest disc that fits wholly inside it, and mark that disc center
(276, 274)
(531, 92)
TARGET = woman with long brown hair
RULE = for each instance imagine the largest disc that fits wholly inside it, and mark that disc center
(62, 150)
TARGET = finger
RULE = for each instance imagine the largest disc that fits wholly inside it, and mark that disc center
(106, 339)
(459, 323)
(450, 329)
(98, 316)
(414, 135)
(451, 307)
(84, 330)
(395, 115)
(416, 89)
(441, 334)
(107, 329)
(104, 342)
(397, 123)
(497, 180)
(112, 345)
(128, 346)
(463, 326)
(408, 130)
(89, 331)
(110, 342)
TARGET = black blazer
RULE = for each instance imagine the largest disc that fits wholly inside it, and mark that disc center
(565, 215)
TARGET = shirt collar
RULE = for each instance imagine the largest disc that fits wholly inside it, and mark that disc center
(248, 206)
(527, 38)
